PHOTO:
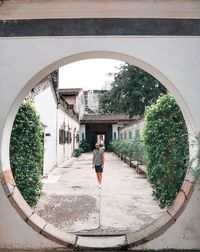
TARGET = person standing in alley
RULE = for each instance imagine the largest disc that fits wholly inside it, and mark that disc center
(98, 162)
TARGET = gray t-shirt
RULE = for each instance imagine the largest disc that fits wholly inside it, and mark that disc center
(98, 156)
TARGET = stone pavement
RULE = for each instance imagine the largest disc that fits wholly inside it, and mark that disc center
(73, 202)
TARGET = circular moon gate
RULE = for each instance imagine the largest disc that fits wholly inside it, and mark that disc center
(146, 234)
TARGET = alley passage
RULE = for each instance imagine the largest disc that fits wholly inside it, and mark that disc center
(73, 202)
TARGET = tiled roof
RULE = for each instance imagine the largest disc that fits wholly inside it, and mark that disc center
(105, 118)
(70, 91)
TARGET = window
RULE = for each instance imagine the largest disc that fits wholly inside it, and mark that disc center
(137, 134)
(61, 136)
(77, 137)
(124, 135)
(68, 137)
(115, 135)
(83, 136)
(130, 135)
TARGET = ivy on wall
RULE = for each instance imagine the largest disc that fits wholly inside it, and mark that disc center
(166, 148)
(26, 153)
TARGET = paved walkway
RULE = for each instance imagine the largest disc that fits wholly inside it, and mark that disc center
(73, 202)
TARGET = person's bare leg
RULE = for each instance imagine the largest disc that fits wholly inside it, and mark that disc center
(99, 177)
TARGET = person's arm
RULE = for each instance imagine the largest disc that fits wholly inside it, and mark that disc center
(103, 159)
(93, 160)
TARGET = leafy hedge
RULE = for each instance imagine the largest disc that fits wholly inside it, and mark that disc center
(166, 148)
(130, 148)
(85, 146)
(77, 152)
(26, 153)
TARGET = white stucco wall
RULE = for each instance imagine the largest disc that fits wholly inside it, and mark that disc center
(46, 105)
(72, 101)
(115, 130)
(174, 61)
(65, 151)
(132, 128)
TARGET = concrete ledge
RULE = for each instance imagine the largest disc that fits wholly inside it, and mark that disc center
(8, 189)
(102, 242)
(141, 169)
(151, 231)
(178, 205)
(187, 188)
(117, 153)
(7, 182)
(127, 160)
(134, 164)
(28, 215)
(7, 177)
(20, 204)
(36, 223)
(181, 200)
(59, 236)
(160, 225)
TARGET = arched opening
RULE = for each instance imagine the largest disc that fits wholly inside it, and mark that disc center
(131, 239)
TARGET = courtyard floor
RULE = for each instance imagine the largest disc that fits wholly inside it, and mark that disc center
(73, 202)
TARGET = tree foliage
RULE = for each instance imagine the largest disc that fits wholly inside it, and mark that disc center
(166, 148)
(26, 153)
(132, 90)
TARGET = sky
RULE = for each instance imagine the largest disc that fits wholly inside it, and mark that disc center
(88, 74)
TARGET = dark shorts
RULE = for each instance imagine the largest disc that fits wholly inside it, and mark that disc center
(98, 168)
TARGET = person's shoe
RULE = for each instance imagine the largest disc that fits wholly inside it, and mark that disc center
(99, 186)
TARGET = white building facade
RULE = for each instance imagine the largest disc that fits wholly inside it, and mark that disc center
(75, 98)
(46, 104)
(132, 131)
(59, 121)
(67, 135)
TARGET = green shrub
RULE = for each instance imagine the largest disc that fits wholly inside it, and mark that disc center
(130, 148)
(113, 145)
(77, 152)
(124, 147)
(136, 151)
(26, 153)
(166, 149)
(85, 146)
